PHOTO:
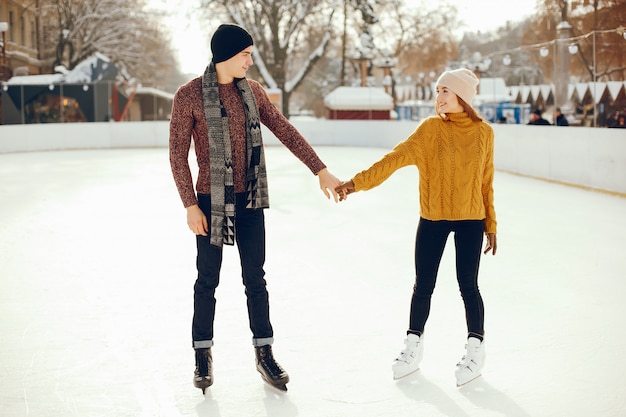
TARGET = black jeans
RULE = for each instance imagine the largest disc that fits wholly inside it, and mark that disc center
(430, 241)
(250, 241)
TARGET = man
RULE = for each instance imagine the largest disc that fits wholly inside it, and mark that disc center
(222, 111)
(560, 118)
(537, 119)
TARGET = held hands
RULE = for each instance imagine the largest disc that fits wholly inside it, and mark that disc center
(492, 244)
(328, 182)
(196, 220)
(346, 187)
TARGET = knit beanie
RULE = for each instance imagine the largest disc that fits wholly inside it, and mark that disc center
(228, 40)
(462, 82)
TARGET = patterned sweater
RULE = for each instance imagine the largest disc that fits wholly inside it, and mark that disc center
(188, 121)
(455, 163)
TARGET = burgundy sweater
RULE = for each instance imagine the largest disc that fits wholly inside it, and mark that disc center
(188, 121)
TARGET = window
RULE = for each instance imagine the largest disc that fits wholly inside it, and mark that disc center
(33, 34)
(22, 30)
(11, 27)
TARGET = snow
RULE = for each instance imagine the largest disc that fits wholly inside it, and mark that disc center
(95, 68)
(97, 272)
(39, 79)
(154, 92)
(358, 98)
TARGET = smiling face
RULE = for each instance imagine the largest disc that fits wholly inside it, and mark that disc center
(447, 101)
(235, 67)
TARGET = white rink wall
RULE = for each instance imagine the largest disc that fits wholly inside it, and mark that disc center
(587, 157)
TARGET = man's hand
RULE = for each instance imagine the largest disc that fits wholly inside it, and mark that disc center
(196, 220)
(328, 182)
(346, 187)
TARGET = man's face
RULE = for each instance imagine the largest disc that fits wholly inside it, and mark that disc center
(237, 66)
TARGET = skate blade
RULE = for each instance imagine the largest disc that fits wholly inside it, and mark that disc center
(397, 377)
(203, 384)
(279, 387)
(204, 390)
(468, 381)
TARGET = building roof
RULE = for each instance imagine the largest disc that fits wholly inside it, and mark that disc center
(151, 91)
(94, 69)
(358, 98)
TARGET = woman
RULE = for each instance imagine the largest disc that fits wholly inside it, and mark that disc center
(453, 152)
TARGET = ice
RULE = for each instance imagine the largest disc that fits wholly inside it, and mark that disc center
(97, 272)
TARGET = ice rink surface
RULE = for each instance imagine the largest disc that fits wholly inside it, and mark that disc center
(97, 271)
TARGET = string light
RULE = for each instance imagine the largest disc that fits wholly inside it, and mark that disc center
(544, 47)
(544, 51)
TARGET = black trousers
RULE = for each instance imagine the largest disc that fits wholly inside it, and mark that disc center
(430, 242)
(250, 241)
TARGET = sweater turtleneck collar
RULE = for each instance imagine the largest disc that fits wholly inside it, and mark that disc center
(459, 117)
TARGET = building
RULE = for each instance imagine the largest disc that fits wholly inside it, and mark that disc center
(94, 91)
(364, 103)
(90, 92)
(20, 36)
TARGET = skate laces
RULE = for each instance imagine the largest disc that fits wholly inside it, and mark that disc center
(469, 359)
(469, 364)
(409, 352)
(271, 365)
(463, 359)
(202, 365)
(466, 362)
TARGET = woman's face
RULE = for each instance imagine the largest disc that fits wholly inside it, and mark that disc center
(447, 101)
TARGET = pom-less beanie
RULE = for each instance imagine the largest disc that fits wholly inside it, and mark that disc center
(227, 41)
(462, 82)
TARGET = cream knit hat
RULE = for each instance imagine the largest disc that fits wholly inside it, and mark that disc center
(462, 82)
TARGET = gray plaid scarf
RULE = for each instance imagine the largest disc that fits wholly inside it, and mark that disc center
(221, 160)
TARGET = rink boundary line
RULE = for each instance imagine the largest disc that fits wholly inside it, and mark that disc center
(567, 184)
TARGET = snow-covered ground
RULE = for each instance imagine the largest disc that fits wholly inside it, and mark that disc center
(97, 272)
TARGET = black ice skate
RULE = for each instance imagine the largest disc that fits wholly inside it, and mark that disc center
(203, 375)
(271, 372)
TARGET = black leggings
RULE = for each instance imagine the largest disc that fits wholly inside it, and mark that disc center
(430, 241)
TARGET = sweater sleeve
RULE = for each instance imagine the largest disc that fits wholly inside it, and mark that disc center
(181, 125)
(487, 186)
(402, 155)
(286, 133)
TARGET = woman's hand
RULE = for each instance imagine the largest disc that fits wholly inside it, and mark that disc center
(492, 244)
(346, 187)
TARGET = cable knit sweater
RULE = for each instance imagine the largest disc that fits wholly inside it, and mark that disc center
(188, 120)
(454, 158)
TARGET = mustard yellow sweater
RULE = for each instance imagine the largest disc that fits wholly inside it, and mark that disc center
(454, 158)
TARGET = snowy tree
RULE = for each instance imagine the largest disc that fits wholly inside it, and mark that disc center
(420, 36)
(585, 17)
(290, 36)
(75, 29)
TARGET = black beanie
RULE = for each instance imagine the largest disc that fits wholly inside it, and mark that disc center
(228, 40)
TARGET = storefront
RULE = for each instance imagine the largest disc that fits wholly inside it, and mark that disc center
(94, 91)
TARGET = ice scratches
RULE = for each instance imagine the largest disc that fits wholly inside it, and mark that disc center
(348, 402)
